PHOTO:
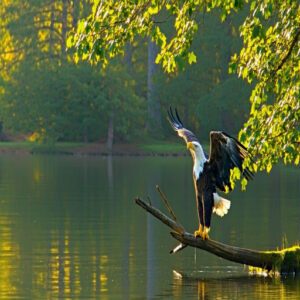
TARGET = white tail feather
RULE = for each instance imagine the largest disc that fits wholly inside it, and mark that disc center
(221, 205)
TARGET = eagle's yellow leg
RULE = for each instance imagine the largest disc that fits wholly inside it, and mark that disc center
(199, 231)
(202, 232)
(205, 232)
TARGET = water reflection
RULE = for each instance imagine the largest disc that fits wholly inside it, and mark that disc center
(9, 259)
(110, 174)
(69, 230)
(228, 283)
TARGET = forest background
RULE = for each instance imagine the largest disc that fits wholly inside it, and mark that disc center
(49, 96)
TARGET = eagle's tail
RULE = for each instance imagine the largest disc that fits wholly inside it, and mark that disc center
(221, 205)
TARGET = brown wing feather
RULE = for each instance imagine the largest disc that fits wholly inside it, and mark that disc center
(226, 152)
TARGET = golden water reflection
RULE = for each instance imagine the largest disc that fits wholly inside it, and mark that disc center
(9, 259)
(235, 286)
(57, 268)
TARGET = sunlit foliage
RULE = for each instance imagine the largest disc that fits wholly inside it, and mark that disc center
(269, 59)
(112, 24)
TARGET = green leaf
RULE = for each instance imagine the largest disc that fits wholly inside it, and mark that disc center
(70, 41)
(158, 58)
(153, 10)
(244, 183)
(256, 31)
(192, 58)
(245, 72)
(232, 68)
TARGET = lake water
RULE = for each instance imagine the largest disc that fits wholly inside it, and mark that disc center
(69, 229)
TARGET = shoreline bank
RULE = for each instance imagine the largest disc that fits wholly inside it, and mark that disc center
(93, 149)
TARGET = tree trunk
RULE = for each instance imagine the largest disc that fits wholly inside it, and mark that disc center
(64, 23)
(283, 261)
(154, 110)
(51, 39)
(75, 13)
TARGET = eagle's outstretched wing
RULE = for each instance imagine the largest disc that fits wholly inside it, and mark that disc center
(226, 152)
(177, 125)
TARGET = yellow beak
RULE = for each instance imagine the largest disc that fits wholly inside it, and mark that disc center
(190, 146)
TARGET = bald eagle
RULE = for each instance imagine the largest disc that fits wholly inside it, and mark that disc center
(213, 172)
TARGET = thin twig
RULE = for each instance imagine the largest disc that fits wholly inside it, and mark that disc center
(288, 54)
(166, 202)
(161, 216)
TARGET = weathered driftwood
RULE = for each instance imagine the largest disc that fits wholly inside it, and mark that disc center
(282, 261)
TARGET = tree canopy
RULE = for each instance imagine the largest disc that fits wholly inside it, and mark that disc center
(268, 61)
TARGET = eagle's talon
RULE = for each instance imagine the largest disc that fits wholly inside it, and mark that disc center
(205, 236)
(203, 233)
(198, 233)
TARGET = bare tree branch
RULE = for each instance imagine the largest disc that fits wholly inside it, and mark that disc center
(287, 260)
